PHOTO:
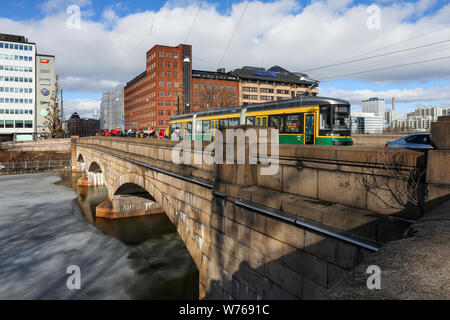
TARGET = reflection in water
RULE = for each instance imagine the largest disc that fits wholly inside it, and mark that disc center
(163, 267)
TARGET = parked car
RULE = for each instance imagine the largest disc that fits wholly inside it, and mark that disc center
(2, 167)
(417, 141)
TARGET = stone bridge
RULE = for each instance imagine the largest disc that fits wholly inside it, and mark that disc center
(291, 235)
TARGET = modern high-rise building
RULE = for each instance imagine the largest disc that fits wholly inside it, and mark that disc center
(112, 108)
(45, 88)
(17, 87)
(27, 82)
(377, 107)
(389, 117)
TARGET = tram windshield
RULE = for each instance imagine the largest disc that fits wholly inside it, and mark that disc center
(341, 118)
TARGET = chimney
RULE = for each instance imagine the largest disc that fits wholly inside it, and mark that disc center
(393, 104)
(221, 70)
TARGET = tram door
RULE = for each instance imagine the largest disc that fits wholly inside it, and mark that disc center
(309, 129)
(261, 121)
(214, 126)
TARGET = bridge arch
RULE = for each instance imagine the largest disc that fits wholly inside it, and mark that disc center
(95, 174)
(94, 167)
(168, 204)
(81, 164)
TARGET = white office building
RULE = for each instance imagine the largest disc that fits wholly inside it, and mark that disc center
(376, 106)
(45, 88)
(112, 108)
(366, 123)
(420, 119)
(389, 117)
(17, 88)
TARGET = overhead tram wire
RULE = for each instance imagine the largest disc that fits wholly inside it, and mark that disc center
(391, 45)
(396, 44)
(140, 43)
(402, 57)
(232, 36)
(386, 68)
(193, 22)
(377, 56)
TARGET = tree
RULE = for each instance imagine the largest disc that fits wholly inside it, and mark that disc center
(52, 123)
(213, 96)
(395, 182)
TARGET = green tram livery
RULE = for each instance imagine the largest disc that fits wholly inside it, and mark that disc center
(305, 120)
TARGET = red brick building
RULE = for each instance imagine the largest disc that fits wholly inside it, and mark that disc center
(154, 96)
(212, 90)
(169, 86)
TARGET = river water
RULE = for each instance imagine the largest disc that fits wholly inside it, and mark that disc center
(47, 224)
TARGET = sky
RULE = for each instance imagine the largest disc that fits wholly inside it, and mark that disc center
(357, 49)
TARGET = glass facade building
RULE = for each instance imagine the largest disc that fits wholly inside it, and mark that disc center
(17, 88)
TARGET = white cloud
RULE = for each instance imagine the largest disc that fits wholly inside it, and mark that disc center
(415, 95)
(101, 53)
(84, 107)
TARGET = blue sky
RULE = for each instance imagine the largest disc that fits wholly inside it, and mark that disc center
(110, 45)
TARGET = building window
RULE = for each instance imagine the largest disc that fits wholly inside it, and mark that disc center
(168, 74)
(168, 55)
(168, 64)
(168, 103)
(161, 54)
(175, 65)
(175, 55)
(161, 83)
(168, 112)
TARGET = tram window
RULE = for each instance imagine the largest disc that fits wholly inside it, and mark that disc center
(234, 122)
(325, 118)
(250, 121)
(294, 123)
(198, 127)
(278, 122)
(341, 119)
(206, 127)
(189, 127)
(223, 123)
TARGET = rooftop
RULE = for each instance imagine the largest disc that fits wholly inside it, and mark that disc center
(276, 74)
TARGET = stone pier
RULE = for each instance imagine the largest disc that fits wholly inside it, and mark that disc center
(126, 207)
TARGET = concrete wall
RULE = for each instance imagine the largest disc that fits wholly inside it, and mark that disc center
(375, 139)
(55, 145)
